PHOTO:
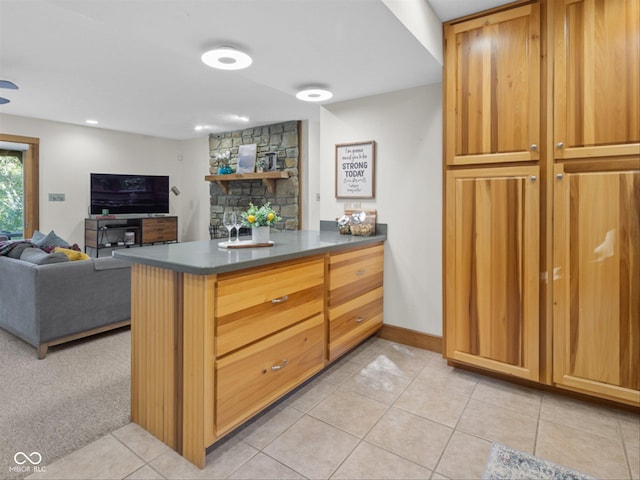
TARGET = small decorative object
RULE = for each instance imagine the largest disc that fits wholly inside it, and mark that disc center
(261, 164)
(247, 158)
(355, 170)
(221, 160)
(362, 222)
(343, 225)
(272, 161)
(263, 216)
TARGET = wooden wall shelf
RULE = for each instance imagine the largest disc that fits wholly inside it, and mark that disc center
(268, 178)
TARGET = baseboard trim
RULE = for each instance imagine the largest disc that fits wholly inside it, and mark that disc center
(411, 337)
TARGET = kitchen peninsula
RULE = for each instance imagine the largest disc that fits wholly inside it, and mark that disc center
(219, 334)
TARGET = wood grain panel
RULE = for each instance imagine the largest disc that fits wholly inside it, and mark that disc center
(597, 282)
(198, 314)
(492, 87)
(492, 312)
(249, 380)
(153, 363)
(597, 73)
(353, 321)
(249, 288)
(267, 302)
(355, 272)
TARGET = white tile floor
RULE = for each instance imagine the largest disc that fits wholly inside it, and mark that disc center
(385, 411)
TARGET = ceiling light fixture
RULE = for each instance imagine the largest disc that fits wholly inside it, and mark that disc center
(226, 58)
(91, 122)
(314, 95)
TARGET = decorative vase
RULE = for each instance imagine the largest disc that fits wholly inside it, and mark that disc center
(260, 234)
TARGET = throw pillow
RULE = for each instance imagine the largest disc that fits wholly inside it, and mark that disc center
(18, 247)
(72, 254)
(37, 256)
(37, 236)
(51, 239)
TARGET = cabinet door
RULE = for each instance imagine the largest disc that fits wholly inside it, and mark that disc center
(597, 73)
(597, 283)
(492, 269)
(492, 88)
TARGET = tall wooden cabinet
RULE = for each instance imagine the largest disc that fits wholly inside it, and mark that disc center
(492, 210)
(542, 278)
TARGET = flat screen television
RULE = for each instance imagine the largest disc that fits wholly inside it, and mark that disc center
(129, 194)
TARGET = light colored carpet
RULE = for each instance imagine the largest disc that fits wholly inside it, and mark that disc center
(77, 394)
(509, 464)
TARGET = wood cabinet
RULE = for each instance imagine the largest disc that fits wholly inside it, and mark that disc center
(272, 322)
(492, 88)
(106, 233)
(596, 77)
(578, 328)
(491, 290)
(597, 282)
(209, 351)
(355, 297)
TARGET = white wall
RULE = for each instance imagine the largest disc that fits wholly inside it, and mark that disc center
(69, 153)
(407, 129)
(194, 213)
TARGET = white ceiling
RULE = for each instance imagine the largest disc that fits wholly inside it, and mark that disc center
(135, 65)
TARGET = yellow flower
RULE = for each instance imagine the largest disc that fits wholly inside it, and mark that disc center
(271, 216)
(251, 219)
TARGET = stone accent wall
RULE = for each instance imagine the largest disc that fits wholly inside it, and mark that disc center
(281, 138)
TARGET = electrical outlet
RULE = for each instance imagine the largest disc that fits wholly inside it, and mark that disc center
(56, 197)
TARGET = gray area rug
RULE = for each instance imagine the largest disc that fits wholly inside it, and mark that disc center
(508, 464)
(55, 406)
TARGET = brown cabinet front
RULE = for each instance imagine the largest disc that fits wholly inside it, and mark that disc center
(159, 230)
(492, 269)
(255, 376)
(492, 88)
(597, 282)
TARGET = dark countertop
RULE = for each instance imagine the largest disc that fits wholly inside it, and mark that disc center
(205, 257)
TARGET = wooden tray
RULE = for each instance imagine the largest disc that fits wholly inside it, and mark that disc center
(244, 244)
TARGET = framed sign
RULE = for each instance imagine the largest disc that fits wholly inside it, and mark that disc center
(246, 158)
(355, 170)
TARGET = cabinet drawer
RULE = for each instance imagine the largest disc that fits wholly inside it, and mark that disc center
(250, 306)
(355, 272)
(159, 230)
(253, 377)
(353, 321)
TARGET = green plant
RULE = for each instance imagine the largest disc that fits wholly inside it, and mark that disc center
(263, 216)
(11, 186)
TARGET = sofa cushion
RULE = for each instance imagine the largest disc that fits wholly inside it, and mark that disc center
(50, 239)
(72, 254)
(37, 256)
(15, 248)
(37, 236)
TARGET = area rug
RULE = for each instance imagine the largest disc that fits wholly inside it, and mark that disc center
(52, 407)
(508, 464)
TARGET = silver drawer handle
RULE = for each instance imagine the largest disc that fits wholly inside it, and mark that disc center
(360, 319)
(281, 365)
(360, 272)
(281, 299)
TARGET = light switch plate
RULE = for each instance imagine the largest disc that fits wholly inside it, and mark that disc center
(56, 197)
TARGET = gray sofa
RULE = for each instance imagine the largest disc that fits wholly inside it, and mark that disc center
(49, 304)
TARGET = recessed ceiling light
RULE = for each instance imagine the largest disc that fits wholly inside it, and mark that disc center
(199, 128)
(314, 95)
(242, 118)
(226, 58)
(91, 122)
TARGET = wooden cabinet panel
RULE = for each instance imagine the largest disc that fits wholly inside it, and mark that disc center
(251, 305)
(355, 272)
(255, 376)
(355, 297)
(597, 282)
(353, 321)
(492, 88)
(492, 269)
(597, 73)
(159, 230)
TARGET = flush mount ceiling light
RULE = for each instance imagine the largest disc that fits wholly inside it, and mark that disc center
(226, 58)
(314, 95)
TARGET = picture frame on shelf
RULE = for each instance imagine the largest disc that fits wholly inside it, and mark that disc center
(355, 170)
(247, 158)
